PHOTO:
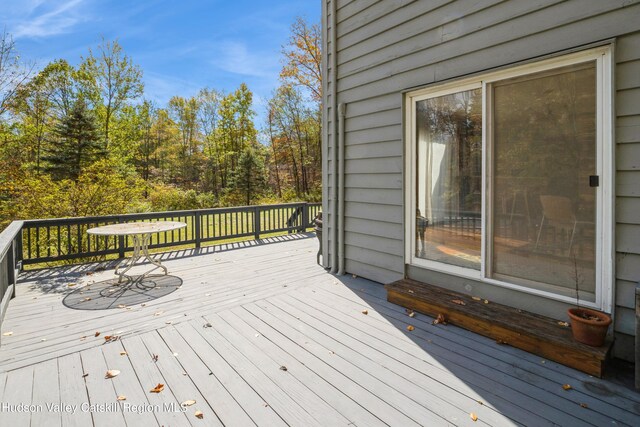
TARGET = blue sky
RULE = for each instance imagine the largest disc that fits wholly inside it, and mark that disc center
(181, 45)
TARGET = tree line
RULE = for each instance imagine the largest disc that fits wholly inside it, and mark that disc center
(84, 140)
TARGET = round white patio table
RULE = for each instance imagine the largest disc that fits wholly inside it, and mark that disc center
(141, 233)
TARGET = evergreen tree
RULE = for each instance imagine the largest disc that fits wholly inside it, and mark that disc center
(76, 144)
(249, 179)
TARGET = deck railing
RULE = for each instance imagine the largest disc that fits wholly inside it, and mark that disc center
(48, 240)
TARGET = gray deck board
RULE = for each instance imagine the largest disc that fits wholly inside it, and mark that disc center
(127, 384)
(18, 390)
(101, 391)
(73, 391)
(243, 313)
(46, 389)
(150, 375)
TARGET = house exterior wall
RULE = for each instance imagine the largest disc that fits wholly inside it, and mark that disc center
(385, 48)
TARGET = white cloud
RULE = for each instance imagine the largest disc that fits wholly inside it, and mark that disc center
(54, 20)
(159, 88)
(234, 57)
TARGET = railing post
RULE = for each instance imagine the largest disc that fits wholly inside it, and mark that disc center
(256, 222)
(305, 217)
(19, 248)
(11, 268)
(121, 241)
(197, 230)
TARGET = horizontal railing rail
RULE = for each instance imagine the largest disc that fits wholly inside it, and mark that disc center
(59, 239)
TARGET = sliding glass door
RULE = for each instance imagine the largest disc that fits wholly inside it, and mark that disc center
(507, 175)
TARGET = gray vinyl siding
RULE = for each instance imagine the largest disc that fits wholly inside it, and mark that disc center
(627, 105)
(390, 46)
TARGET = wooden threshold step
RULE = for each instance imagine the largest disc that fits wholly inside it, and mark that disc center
(531, 332)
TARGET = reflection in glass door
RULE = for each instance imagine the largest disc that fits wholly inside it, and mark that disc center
(544, 180)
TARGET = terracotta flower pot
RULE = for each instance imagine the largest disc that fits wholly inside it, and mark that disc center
(589, 326)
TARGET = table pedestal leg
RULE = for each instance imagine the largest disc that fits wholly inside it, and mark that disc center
(140, 250)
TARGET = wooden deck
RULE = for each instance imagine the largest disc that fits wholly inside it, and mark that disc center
(258, 334)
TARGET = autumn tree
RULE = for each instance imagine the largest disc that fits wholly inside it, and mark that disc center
(295, 132)
(302, 63)
(13, 72)
(209, 122)
(110, 79)
(184, 113)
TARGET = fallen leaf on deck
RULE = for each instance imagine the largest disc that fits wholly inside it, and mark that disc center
(168, 323)
(563, 324)
(354, 276)
(440, 319)
(111, 338)
(480, 402)
(207, 325)
(486, 301)
(283, 368)
(112, 373)
(412, 314)
(410, 328)
(85, 375)
(87, 299)
(365, 312)
(158, 313)
(157, 389)
(567, 387)
(123, 353)
(458, 301)
(584, 405)
(410, 291)
(71, 284)
(154, 357)
(188, 403)
(97, 334)
(473, 416)
(122, 306)
(476, 298)
(122, 397)
(501, 342)
(199, 415)
(7, 334)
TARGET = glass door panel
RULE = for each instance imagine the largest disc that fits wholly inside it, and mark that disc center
(543, 201)
(449, 178)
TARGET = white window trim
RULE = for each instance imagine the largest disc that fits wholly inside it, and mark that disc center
(605, 143)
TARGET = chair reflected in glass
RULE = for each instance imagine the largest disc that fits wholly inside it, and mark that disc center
(558, 213)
